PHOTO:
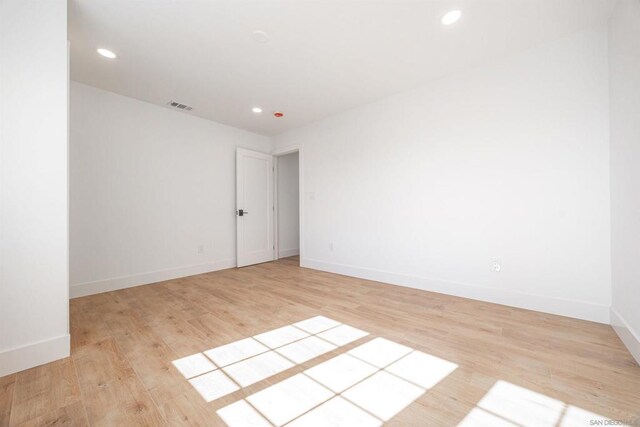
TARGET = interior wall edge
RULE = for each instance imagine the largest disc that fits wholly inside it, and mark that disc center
(629, 337)
(283, 253)
(559, 306)
(106, 285)
(34, 354)
(34, 274)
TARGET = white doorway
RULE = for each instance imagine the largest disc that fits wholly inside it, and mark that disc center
(254, 207)
(287, 190)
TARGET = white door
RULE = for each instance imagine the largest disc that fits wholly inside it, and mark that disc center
(254, 207)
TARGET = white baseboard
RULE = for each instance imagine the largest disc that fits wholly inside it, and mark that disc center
(35, 354)
(564, 307)
(288, 252)
(629, 336)
(107, 285)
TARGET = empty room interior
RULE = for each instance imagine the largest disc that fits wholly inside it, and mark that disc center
(320, 213)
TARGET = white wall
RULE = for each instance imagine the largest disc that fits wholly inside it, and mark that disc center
(288, 206)
(624, 57)
(506, 160)
(150, 187)
(33, 184)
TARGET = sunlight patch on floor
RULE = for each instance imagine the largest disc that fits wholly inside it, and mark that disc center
(194, 365)
(222, 370)
(336, 412)
(241, 413)
(213, 385)
(235, 352)
(306, 349)
(507, 404)
(342, 335)
(281, 336)
(365, 386)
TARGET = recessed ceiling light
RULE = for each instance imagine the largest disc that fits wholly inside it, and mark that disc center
(107, 53)
(256, 110)
(260, 36)
(451, 17)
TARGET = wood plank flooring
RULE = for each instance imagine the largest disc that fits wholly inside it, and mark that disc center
(123, 343)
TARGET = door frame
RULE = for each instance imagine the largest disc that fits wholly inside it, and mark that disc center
(276, 154)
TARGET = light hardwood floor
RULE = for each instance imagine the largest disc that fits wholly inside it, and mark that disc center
(123, 343)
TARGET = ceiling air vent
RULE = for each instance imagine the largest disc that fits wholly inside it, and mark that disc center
(179, 106)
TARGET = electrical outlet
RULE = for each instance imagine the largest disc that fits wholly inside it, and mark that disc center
(200, 249)
(496, 265)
